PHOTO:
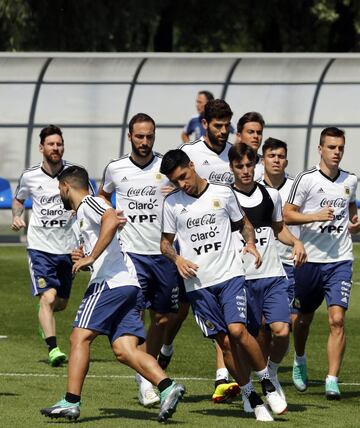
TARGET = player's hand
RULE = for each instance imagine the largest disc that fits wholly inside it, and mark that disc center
(325, 214)
(77, 254)
(17, 224)
(165, 190)
(122, 219)
(186, 268)
(354, 225)
(298, 254)
(82, 263)
(251, 249)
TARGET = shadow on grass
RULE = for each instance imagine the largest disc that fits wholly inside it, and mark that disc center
(8, 394)
(116, 413)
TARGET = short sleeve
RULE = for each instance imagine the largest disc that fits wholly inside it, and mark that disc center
(22, 191)
(108, 184)
(233, 207)
(168, 224)
(299, 191)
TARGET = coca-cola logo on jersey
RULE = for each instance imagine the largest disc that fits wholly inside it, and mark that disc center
(50, 200)
(335, 203)
(225, 177)
(143, 191)
(200, 221)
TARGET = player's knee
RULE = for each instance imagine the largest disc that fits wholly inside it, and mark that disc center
(337, 322)
(60, 304)
(238, 331)
(47, 299)
(281, 331)
(160, 320)
(123, 355)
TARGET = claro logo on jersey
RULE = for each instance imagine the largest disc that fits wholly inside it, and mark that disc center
(143, 191)
(334, 203)
(225, 177)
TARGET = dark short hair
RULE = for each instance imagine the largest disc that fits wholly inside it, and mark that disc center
(273, 144)
(239, 150)
(50, 130)
(140, 117)
(251, 116)
(217, 109)
(76, 176)
(207, 94)
(331, 131)
(173, 159)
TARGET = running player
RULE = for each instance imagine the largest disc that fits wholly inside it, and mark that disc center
(210, 157)
(110, 303)
(201, 214)
(266, 286)
(140, 188)
(250, 129)
(50, 236)
(322, 201)
(275, 162)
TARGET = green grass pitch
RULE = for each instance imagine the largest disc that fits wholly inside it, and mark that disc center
(109, 398)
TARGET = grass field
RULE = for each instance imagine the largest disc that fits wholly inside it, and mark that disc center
(109, 398)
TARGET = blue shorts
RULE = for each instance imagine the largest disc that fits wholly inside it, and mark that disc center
(50, 271)
(290, 273)
(316, 281)
(219, 305)
(113, 312)
(268, 298)
(158, 277)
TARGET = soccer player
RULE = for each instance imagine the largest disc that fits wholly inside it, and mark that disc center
(50, 236)
(110, 303)
(250, 128)
(195, 126)
(140, 188)
(266, 286)
(322, 201)
(210, 157)
(201, 215)
(274, 158)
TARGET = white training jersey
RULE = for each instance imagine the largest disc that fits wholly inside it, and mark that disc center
(202, 225)
(112, 266)
(312, 191)
(262, 206)
(138, 194)
(285, 251)
(50, 226)
(259, 168)
(209, 164)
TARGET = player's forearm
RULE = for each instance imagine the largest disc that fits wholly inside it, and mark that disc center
(167, 249)
(104, 195)
(17, 208)
(296, 218)
(247, 231)
(284, 235)
(185, 138)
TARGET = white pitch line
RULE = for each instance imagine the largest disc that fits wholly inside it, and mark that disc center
(132, 377)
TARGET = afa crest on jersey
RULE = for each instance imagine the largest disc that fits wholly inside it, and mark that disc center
(347, 190)
(216, 204)
(158, 176)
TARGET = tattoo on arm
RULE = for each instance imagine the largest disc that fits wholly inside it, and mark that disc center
(167, 248)
(247, 230)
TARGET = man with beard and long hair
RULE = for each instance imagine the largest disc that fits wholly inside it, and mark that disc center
(50, 235)
(140, 189)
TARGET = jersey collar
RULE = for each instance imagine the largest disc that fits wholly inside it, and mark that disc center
(218, 153)
(142, 166)
(326, 176)
(49, 175)
(245, 193)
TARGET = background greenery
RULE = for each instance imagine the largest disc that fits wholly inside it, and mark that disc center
(180, 25)
(109, 399)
